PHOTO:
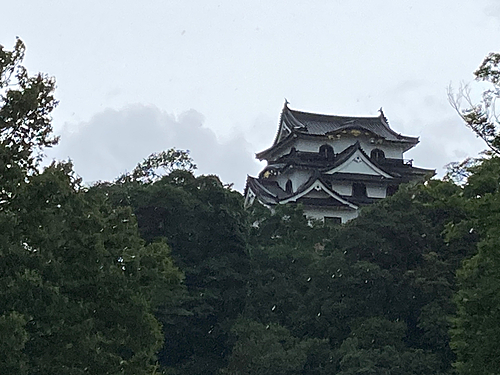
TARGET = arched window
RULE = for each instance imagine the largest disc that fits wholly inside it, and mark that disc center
(377, 154)
(327, 151)
(288, 187)
(358, 190)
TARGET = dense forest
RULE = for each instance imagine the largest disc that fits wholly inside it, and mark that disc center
(165, 272)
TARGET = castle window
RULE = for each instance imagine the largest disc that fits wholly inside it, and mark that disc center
(377, 154)
(327, 151)
(359, 190)
(288, 187)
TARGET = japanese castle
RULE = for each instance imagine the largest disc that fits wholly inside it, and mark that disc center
(332, 165)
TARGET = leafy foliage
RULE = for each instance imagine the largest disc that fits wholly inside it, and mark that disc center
(271, 350)
(477, 320)
(378, 289)
(26, 103)
(89, 280)
(76, 270)
(475, 323)
(78, 287)
(205, 225)
(168, 161)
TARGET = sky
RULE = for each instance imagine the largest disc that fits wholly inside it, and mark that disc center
(211, 77)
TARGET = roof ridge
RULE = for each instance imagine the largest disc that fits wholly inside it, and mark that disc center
(328, 115)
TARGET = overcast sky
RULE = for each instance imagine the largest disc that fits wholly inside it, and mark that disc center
(211, 76)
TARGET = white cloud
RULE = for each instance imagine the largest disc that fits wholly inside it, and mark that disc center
(114, 141)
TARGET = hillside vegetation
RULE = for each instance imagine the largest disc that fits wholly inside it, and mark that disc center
(168, 273)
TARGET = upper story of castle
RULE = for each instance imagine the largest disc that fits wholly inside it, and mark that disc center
(305, 132)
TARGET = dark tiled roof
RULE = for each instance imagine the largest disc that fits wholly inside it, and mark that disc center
(397, 168)
(361, 201)
(267, 191)
(314, 160)
(340, 176)
(406, 171)
(317, 124)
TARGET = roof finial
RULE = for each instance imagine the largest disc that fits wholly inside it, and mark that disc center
(383, 116)
(286, 102)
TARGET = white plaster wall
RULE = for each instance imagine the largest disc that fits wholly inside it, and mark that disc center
(281, 180)
(391, 150)
(358, 166)
(297, 176)
(343, 188)
(310, 145)
(376, 191)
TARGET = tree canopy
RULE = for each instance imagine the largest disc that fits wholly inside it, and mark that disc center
(162, 271)
(476, 322)
(78, 286)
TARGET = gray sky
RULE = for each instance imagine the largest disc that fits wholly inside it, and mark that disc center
(211, 76)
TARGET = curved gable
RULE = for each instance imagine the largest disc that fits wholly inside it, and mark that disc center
(359, 163)
(312, 190)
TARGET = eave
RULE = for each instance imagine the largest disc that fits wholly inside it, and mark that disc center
(315, 183)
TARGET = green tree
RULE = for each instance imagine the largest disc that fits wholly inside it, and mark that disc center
(26, 103)
(78, 287)
(13, 338)
(474, 331)
(476, 324)
(158, 164)
(205, 225)
(283, 248)
(76, 270)
(271, 350)
(394, 263)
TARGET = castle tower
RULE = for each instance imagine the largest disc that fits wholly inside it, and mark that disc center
(332, 165)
